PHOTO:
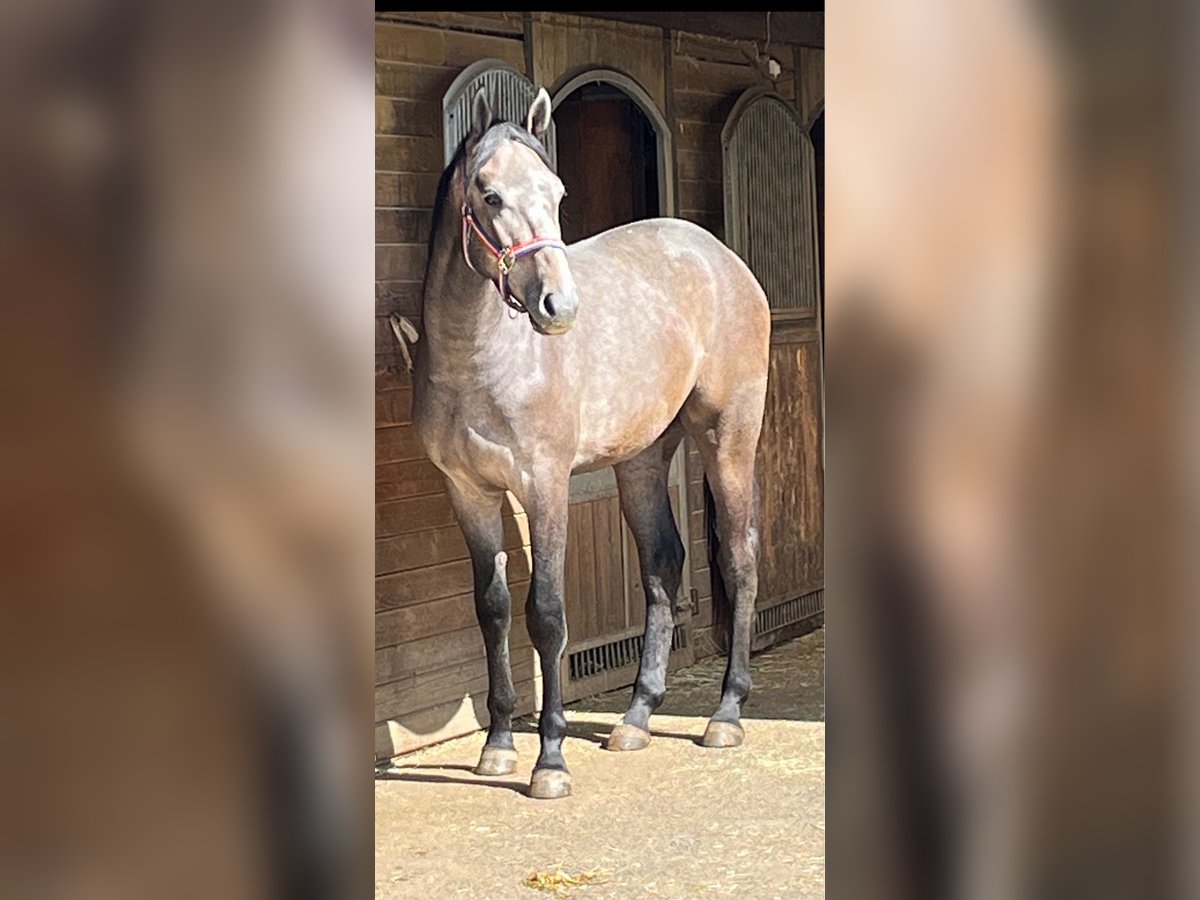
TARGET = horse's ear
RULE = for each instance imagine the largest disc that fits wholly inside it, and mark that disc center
(538, 119)
(481, 116)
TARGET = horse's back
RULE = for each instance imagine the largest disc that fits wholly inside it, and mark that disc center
(673, 263)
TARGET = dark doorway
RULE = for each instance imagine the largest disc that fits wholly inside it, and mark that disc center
(608, 160)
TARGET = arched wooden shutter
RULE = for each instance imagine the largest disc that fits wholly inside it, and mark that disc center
(770, 200)
(510, 94)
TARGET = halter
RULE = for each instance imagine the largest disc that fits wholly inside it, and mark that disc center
(506, 257)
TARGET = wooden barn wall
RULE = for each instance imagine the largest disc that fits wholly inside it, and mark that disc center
(430, 671)
(430, 674)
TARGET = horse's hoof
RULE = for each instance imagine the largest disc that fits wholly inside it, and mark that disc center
(496, 761)
(723, 734)
(549, 784)
(628, 737)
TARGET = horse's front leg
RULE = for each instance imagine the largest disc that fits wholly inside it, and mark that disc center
(478, 512)
(545, 616)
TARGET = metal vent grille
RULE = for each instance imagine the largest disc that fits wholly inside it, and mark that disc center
(770, 200)
(509, 92)
(615, 654)
(790, 612)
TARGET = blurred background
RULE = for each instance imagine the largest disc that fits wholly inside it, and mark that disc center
(187, 350)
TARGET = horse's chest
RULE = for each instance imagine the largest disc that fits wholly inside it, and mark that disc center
(464, 447)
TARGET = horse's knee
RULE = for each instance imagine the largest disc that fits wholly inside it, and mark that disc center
(493, 606)
(502, 700)
(545, 617)
(666, 561)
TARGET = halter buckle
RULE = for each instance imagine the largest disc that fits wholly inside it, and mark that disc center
(506, 261)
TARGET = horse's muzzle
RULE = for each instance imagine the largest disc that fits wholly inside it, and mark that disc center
(555, 312)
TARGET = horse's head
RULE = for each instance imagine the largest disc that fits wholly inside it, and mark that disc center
(513, 193)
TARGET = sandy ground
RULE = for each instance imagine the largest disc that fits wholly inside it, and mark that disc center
(673, 820)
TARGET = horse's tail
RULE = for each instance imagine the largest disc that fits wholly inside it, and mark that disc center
(722, 608)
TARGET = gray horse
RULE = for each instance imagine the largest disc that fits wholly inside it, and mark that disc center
(631, 339)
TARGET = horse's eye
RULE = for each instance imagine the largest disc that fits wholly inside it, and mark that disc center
(491, 198)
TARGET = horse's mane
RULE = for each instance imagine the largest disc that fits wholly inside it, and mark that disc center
(497, 133)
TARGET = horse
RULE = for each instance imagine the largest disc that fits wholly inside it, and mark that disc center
(539, 360)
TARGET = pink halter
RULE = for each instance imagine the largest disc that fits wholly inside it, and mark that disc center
(506, 257)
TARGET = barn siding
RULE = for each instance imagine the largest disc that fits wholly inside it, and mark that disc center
(430, 669)
(431, 678)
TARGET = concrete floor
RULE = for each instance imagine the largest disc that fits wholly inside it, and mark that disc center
(673, 820)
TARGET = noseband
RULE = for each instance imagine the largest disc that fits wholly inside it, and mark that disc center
(506, 257)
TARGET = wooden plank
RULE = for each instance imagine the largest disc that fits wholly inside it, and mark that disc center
(408, 81)
(405, 153)
(789, 460)
(447, 720)
(610, 587)
(399, 699)
(403, 297)
(414, 478)
(400, 262)
(586, 561)
(393, 407)
(418, 118)
(416, 549)
(706, 195)
(792, 26)
(412, 514)
(720, 78)
(397, 444)
(693, 135)
(403, 226)
(692, 106)
(437, 46)
(698, 166)
(439, 651)
(500, 23)
(408, 189)
(425, 620)
(392, 383)
(431, 582)
(689, 45)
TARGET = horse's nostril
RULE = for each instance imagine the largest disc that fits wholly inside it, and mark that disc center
(548, 305)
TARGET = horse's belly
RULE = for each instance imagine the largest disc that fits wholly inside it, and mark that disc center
(611, 434)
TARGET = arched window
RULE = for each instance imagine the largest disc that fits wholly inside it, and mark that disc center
(509, 92)
(770, 200)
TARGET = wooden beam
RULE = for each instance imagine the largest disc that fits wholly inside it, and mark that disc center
(804, 28)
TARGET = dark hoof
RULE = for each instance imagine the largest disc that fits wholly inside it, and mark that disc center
(723, 734)
(496, 761)
(628, 737)
(549, 784)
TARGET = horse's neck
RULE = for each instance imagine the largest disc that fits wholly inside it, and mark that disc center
(470, 338)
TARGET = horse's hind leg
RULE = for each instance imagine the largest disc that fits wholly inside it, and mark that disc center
(647, 507)
(478, 515)
(727, 445)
